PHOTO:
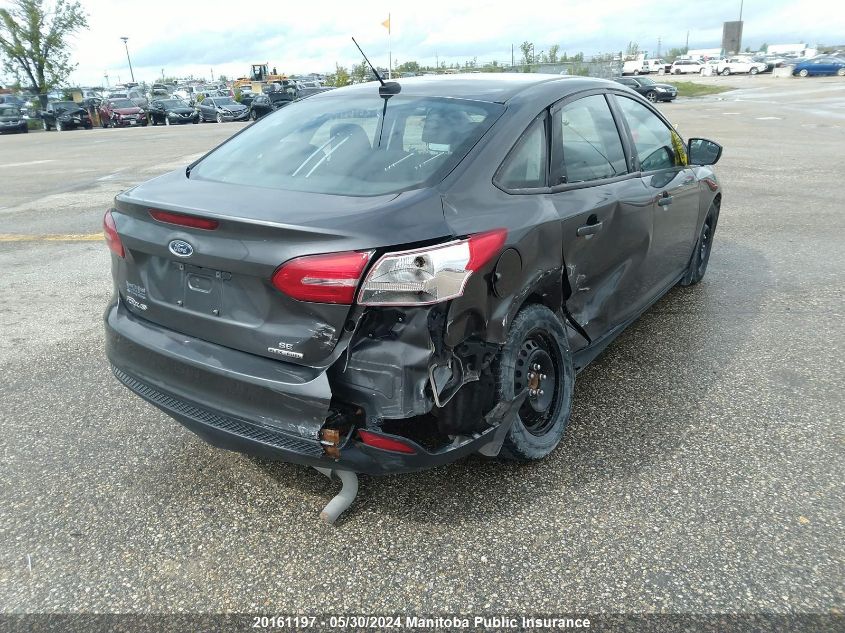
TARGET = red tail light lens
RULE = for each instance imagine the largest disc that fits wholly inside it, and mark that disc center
(112, 238)
(385, 443)
(180, 219)
(330, 278)
(483, 246)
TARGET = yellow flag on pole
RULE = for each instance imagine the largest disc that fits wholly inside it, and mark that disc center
(386, 24)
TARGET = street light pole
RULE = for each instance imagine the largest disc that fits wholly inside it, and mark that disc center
(131, 72)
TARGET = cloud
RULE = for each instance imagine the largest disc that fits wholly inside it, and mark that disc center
(185, 38)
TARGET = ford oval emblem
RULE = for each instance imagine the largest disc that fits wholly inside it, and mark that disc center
(181, 248)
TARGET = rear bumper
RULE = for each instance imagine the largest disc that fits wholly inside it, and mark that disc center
(251, 404)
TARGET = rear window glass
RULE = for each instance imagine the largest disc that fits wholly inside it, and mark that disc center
(352, 145)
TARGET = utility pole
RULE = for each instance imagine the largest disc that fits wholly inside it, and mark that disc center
(512, 58)
(686, 48)
(126, 45)
(658, 48)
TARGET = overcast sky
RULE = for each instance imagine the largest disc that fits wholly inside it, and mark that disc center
(192, 37)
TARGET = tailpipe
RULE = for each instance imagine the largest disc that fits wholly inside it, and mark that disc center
(343, 499)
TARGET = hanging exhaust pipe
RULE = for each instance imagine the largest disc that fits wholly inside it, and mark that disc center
(343, 499)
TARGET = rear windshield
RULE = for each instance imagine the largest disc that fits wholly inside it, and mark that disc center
(352, 145)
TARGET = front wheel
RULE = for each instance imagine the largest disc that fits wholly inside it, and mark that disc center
(219, 118)
(535, 359)
(701, 255)
(253, 115)
(840, 72)
(651, 95)
(726, 72)
(803, 72)
(754, 71)
(59, 126)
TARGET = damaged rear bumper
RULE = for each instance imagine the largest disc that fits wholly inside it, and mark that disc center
(256, 405)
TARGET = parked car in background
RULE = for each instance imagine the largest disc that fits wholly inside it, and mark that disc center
(171, 111)
(186, 94)
(11, 119)
(314, 304)
(687, 67)
(13, 100)
(222, 109)
(650, 89)
(134, 95)
(121, 113)
(65, 115)
(739, 65)
(821, 65)
(265, 104)
(634, 67)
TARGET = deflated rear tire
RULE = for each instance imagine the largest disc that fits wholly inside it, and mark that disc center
(703, 246)
(535, 358)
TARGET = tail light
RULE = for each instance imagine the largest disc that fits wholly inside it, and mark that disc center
(429, 275)
(385, 443)
(330, 278)
(112, 238)
(181, 219)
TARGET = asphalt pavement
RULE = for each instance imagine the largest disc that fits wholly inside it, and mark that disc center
(702, 470)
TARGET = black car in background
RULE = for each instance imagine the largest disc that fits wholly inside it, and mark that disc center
(264, 104)
(382, 280)
(222, 109)
(11, 119)
(171, 111)
(649, 88)
(65, 115)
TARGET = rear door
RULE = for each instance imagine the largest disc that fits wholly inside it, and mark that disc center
(605, 212)
(659, 154)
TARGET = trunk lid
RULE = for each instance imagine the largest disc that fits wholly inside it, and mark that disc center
(216, 284)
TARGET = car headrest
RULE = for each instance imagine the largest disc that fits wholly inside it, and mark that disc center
(445, 127)
(358, 138)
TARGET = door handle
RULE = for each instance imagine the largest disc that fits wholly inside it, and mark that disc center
(664, 200)
(589, 229)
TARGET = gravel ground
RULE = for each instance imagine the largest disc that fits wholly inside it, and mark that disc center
(702, 470)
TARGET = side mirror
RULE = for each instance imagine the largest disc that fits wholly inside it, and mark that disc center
(703, 152)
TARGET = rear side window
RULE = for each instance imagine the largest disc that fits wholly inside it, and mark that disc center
(656, 144)
(589, 144)
(525, 166)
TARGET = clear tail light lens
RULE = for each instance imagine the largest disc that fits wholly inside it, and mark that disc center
(429, 275)
(112, 238)
(330, 278)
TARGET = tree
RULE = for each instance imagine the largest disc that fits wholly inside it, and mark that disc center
(340, 77)
(553, 51)
(633, 49)
(764, 47)
(527, 49)
(34, 40)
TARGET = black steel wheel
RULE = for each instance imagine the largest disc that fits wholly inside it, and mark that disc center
(535, 361)
(703, 246)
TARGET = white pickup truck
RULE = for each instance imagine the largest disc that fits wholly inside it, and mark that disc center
(733, 65)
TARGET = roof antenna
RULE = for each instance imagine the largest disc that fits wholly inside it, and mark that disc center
(387, 89)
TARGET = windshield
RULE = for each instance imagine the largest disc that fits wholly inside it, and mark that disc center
(345, 146)
(123, 103)
(224, 101)
(65, 105)
(118, 95)
(9, 111)
(645, 81)
(174, 103)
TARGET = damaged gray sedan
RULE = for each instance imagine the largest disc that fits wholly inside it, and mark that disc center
(380, 280)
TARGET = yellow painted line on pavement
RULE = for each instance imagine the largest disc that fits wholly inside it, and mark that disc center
(58, 237)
